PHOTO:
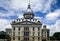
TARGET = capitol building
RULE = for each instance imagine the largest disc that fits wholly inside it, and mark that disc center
(28, 28)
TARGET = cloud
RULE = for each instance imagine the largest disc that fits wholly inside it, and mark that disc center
(20, 16)
(38, 18)
(36, 5)
(11, 6)
(57, 25)
(11, 13)
(52, 21)
(4, 23)
(5, 4)
(19, 4)
(53, 15)
(54, 28)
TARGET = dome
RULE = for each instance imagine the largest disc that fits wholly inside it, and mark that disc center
(29, 10)
(28, 13)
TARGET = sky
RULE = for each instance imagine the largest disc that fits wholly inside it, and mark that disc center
(48, 11)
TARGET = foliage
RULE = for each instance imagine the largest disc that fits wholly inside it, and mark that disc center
(3, 35)
(56, 36)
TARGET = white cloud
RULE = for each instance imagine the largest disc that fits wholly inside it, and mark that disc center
(57, 25)
(39, 18)
(52, 21)
(47, 5)
(19, 5)
(37, 5)
(54, 28)
(4, 23)
(53, 15)
(5, 4)
(10, 13)
(20, 16)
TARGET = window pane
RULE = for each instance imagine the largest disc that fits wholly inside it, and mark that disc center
(38, 28)
(13, 38)
(18, 33)
(18, 38)
(33, 33)
(38, 33)
(13, 33)
(14, 28)
(26, 28)
(19, 28)
(33, 28)
(26, 33)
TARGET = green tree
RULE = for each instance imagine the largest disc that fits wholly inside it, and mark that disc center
(56, 36)
(52, 38)
(4, 36)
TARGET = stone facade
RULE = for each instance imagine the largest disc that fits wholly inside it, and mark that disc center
(28, 28)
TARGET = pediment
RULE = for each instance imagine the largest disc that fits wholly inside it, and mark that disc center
(27, 22)
(24, 23)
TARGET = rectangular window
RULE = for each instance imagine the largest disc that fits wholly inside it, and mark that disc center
(38, 28)
(38, 38)
(33, 38)
(18, 38)
(13, 33)
(14, 28)
(26, 33)
(26, 28)
(19, 29)
(33, 28)
(38, 33)
(18, 33)
(33, 33)
(26, 38)
(13, 38)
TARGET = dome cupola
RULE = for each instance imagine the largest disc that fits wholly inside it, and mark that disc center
(28, 13)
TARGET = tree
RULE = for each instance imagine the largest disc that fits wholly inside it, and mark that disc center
(56, 36)
(3, 35)
(52, 38)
